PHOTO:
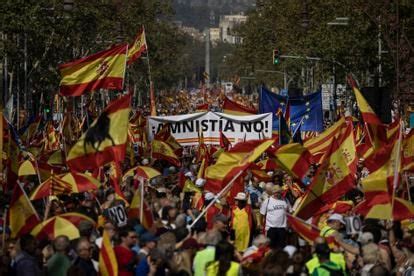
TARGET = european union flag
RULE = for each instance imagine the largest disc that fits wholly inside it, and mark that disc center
(308, 107)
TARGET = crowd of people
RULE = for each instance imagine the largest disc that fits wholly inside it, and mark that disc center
(246, 234)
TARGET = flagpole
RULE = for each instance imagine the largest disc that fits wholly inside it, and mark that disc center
(28, 200)
(141, 203)
(224, 190)
(3, 238)
(396, 168)
(1, 145)
(152, 94)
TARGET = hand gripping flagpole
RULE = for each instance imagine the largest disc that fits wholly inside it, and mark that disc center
(219, 195)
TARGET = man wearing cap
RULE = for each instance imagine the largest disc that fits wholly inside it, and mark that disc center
(147, 243)
(241, 222)
(273, 211)
(334, 224)
(212, 211)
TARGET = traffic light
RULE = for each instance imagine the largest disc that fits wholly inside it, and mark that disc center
(276, 56)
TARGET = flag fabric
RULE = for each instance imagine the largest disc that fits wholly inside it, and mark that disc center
(135, 211)
(319, 145)
(224, 141)
(108, 265)
(202, 108)
(138, 47)
(105, 140)
(202, 150)
(231, 107)
(308, 107)
(307, 231)
(408, 152)
(367, 112)
(294, 158)
(284, 132)
(54, 185)
(332, 180)
(164, 135)
(22, 215)
(105, 70)
(239, 158)
(162, 150)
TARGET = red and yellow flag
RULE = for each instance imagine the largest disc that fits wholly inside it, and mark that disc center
(332, 180)
(135, 211)
(318, 145)
(105, 140)
(367, 112)
(232, 162)
(233, 108)
(22, 215)
(105, 69)
(294, 158)
(162, 150)
(108, 265)
(138, 47)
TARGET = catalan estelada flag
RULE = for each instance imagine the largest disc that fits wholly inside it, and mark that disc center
(108, 265)
(230, 163)
(332, 181)
(138, 47)
(22, 216)
(231, 107)
(105, 140)
(105, 69)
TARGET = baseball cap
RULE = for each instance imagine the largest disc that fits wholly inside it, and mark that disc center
(148, 237)
(337, 217)
(209, 196)
(240, 196)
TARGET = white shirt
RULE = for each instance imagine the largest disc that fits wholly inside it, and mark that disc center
(275, 212)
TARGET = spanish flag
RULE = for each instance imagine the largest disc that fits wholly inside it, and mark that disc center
(108, 265)
(332, 181)
(318, 145)
(240, 157)
(22, 216)
(138, 47)
(105, 69)
(233, 108)
(135, 211)
(408, 152)
(162, 150)
(105, 140)
(367, 112)
(294, 158)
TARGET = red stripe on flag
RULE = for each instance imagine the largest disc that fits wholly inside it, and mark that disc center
(78, 89)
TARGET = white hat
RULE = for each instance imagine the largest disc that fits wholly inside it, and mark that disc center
(145, 162)
(200, 182)
(365, 238)
(337, 217)
(240, 196)
(262, 184)
(290, 249)
(171, 169)
(209, 196)
(188, 174)
(270, 173)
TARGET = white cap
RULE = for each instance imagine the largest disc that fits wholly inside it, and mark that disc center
(240, 196)
(209, 196)
(171, 169)
(290, 249)
(145, 162)
(337, 217)
(200, 182)
(270, 173)
(262, 184)
(188, 174)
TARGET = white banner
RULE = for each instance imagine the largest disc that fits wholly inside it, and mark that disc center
(186, 128)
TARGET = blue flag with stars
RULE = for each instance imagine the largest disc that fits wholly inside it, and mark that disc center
(305, 110)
